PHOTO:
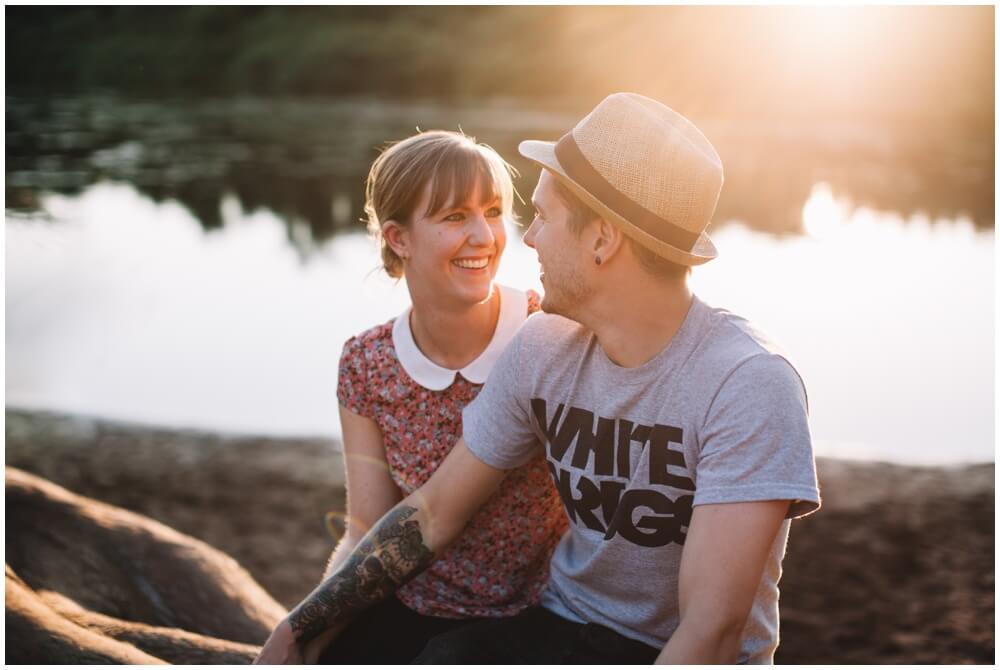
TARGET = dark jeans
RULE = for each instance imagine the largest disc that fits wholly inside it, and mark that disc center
(388, 633)
(536, 636)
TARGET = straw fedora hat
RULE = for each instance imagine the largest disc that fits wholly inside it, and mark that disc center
(642, 167)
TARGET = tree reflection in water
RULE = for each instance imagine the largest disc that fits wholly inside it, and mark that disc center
(306, 161)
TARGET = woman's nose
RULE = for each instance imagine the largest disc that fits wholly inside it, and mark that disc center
(481, 233)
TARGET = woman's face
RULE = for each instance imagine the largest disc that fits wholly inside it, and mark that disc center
(453, 254)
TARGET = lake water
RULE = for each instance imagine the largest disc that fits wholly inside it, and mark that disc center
(191, 298)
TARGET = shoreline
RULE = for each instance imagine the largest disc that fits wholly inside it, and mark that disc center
(897, 566)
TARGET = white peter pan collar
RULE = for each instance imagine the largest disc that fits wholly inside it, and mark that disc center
(430, 375)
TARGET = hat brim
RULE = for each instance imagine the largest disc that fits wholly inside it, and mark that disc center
(544, 154)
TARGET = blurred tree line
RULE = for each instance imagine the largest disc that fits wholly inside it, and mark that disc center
(883, 63)
(400, 52)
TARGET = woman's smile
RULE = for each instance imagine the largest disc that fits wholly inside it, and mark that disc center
(474, 264)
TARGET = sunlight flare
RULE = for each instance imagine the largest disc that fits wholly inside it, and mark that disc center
(822, 214)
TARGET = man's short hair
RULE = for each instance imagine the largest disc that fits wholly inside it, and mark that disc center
(579, 215)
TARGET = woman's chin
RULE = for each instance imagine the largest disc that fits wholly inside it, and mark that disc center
(475, 293)
(480, 296)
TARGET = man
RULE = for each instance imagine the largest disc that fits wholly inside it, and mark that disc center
(677, 437)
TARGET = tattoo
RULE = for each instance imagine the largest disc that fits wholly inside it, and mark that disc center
(392, 553)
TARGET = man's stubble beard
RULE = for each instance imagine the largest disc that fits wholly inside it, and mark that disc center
(565, 292)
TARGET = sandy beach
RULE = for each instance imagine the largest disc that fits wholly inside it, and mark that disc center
(898, 566)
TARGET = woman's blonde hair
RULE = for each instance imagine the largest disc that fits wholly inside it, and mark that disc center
(452, 163)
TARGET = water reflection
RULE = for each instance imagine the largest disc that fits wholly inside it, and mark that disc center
(125, 307)
(129, 309)
(306, 161)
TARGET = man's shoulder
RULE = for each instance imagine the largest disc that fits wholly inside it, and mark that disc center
(550, 332)
(731, 343)
(738, 332)
(730, 339)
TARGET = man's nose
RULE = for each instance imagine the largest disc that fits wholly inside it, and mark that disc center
(529, 235)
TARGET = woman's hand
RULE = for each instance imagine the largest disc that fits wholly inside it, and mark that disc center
(281, 648)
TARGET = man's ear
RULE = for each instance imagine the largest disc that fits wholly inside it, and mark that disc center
(397, 238)
(608, 240)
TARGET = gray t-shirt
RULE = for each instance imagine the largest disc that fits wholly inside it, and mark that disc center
(715, 417)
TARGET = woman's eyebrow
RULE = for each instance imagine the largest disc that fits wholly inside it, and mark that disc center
(469, 205)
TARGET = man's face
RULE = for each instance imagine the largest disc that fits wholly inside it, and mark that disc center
(560, 252)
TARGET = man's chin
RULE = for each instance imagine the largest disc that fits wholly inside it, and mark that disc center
(550, 306)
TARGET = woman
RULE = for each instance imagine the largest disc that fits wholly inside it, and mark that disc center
(437, 203)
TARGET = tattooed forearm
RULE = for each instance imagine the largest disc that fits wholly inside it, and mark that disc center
(392, 553)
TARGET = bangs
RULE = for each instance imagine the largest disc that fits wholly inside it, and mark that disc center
(460, 171)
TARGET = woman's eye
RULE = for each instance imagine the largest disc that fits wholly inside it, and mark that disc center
(457, 216)
(494, 212)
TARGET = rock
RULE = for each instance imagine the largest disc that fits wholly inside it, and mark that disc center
(261, 500)
(116, 563)
(169, 644)
(38, 635)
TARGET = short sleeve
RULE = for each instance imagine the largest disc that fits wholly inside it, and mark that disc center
(497, 424)
(352, 379)
(755, 443)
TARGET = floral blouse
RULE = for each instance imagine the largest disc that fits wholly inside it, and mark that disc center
(499, 564)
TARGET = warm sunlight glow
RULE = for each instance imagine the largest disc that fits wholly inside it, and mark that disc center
(793, 62)
(831, 27)
(822, 215)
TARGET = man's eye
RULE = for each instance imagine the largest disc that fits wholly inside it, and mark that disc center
(457, 216)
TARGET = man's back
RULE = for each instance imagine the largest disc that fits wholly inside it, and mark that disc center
(715, 417)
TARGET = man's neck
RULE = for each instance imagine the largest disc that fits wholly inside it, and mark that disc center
(637, 320)
(454, 336)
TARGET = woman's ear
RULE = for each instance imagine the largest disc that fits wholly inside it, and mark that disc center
(607, 241)
(397, 238)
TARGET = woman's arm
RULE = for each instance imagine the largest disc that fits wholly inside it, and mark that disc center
(371, 493)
